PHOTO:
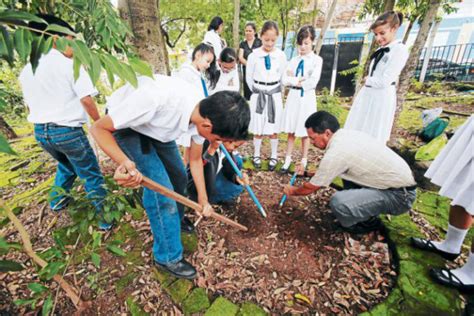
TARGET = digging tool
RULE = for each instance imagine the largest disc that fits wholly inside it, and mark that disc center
(292, 181)
(152, 185)
(240, 175)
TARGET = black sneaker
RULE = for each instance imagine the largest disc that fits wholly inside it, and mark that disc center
(187, 226)
(368, 226)
(181, 269)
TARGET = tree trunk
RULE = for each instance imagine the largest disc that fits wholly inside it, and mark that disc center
(408, 71)
(388, 6)
(236, 25)
(326, 25)
(429, 49)
(143, 17)
(6, 129)
(408, 30)
(315, 13)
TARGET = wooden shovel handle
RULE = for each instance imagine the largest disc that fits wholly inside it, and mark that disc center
(152, 185)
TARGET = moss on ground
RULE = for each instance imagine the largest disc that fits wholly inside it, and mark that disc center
(134, 308)
(124, 281)
(222, 307)
(179, 289)
(251, 309)
(190, 242)
(197, 301)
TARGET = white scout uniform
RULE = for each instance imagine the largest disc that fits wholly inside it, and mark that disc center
(373, 110)
(51, 93)
(453, 169)
(261, 78)
(300, 103)
(157, 108)
(190, 74)
(212, 38)
(227, 82)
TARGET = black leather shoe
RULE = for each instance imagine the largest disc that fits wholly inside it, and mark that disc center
(368, 226)
(427, 245)
(187, 226)
(181, 269)
(446, 277)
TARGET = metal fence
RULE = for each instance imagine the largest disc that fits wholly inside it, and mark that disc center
(449, 62)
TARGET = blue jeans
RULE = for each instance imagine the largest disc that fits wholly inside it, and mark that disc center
(71, 148)
(162, 163)
(226, 190)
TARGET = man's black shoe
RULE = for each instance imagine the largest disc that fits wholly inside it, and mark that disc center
(368, 226)
(187, 226)
(181, 269)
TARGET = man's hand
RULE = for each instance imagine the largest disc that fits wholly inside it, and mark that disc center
(245, 181)
(289, 190)
(127, 175)
(207, 209)
(300, 82)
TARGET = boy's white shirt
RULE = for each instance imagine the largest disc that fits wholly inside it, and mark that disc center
(213, 38)
(160, 108)
(51, 93)
(228, 82)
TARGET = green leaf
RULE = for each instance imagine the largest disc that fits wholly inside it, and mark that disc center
(3, 104)
(61, 44)
(116, 250)
(22, 39)
(36, 51)
(51, 270)
(76, 65)
(37, 288)
(94, 70)
(47, 45)
(97, 239)
(47, 306)
(82, 53)
(60, 29)
(129, 75)
(95, 259)
(141, 67)
(8, 265)
(16, 16)
(24, 302)
(5, 147)
(6, 46)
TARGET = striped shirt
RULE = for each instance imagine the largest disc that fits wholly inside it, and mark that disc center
(358, 157)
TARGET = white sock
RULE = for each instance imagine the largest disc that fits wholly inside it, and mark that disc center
(453, 241)
(466, 272)
(257, 144)
(287, 163)
(304, 162)
(274, 144)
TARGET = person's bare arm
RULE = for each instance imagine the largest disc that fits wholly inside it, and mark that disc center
(197, 171)
(306, 189)
(126, 174)
(242, 60)
(91, 108)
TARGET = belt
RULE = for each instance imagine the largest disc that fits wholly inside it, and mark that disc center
(410, 188)
(295, 88)
(392, 84)
(267, 83)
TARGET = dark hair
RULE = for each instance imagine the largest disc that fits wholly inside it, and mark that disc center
(307, 31)
(229, 114)
(253, 26)
(228, 55)
(215, 23)
(50, 19)
(269, 25)
(321, 121)
(393, 18)
(212, 73)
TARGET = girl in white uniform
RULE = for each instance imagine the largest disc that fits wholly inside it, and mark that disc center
(201, 73)
(228, 74)
(212, 36)
(265, 67)
(453, 171)
(374, 107)
(301, 77)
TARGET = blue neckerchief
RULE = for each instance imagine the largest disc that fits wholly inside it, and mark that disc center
(268, 63)
(204, 88)
(300, 69)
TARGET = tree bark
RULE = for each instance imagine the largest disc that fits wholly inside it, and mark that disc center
(429, 50)
(315, 13)
(143, 17)
(326, 25)
(236, 25)
(408, 30)
(408, 71)
(6, 129)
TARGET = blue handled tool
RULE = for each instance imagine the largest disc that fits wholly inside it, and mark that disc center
(292, 181)
(239, 174)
